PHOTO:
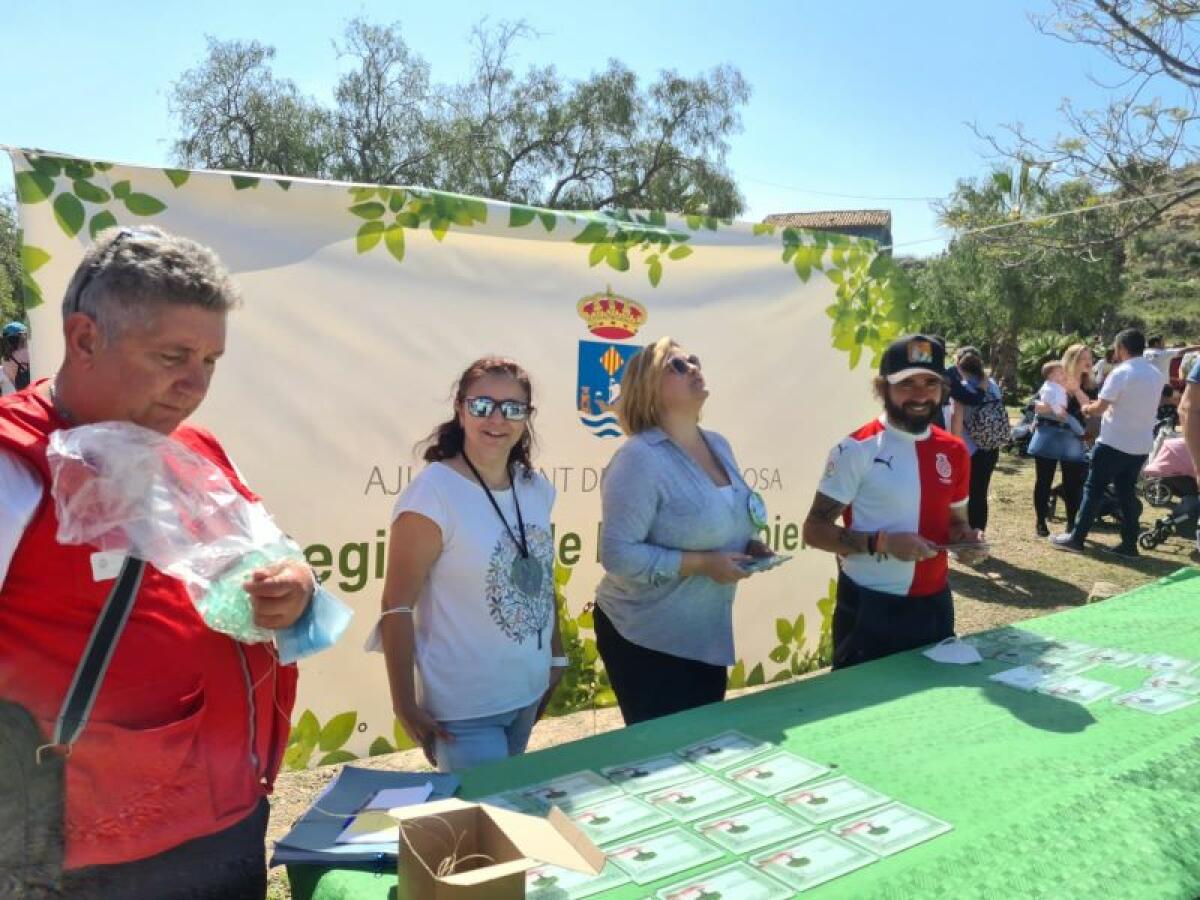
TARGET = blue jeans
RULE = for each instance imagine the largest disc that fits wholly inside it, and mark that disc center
(1111, 466)
(485, 740)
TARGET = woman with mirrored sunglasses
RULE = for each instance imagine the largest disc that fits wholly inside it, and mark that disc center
(468, 625)
(679, 524)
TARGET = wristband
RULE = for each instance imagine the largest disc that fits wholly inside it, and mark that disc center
(559, 662)
(881, 543)
(873, 543)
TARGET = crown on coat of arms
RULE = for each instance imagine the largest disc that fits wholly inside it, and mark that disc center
(609, 315)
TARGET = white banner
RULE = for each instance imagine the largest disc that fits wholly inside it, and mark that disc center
(363, 304)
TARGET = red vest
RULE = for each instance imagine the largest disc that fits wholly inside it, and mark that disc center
(189, 727)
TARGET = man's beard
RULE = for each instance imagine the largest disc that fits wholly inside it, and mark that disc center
(906, 419)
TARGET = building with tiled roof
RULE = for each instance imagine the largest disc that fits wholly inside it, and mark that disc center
(875, 224)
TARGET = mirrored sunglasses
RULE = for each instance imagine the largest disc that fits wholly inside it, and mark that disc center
(513, 410)
(682, 365)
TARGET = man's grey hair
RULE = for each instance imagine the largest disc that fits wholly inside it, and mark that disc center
(129, 274)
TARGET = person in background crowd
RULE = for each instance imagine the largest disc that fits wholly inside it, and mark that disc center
(679, 523)
(1057, 442)
(1103, 366)
(956, 392)
(1189, 416)
(469, 626)
(1128, 403)
(14, 358)
(968, 422)
(166, 783)
(903, 485)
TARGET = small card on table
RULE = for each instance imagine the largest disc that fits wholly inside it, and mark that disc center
(775, 772)
(1155, 700)
(656, 856)
(736, 882)
(570, 792)
(650, 774)
(724, 750)
(833, 799)
(751, 828)
(618, 817)
(696, 799)
(892, 828)
(555, 883)
(812, 860)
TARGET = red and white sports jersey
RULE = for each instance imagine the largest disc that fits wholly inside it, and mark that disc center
(893, 480)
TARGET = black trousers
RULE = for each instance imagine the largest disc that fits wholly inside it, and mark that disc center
(1111, 466)
(983, 463)
(1073, 474)
(650, 684)
(228, 865)
(869, 624)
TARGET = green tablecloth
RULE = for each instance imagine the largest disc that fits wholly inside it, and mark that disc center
(1047, 798)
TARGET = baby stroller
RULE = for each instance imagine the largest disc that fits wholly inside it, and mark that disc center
(1170, 471)
(1022, 432)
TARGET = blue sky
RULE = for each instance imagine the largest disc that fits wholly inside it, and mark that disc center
(865, 99)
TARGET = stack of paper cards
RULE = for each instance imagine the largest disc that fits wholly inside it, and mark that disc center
(752, 828)
(554, 883)
(775, 772)
(1111, 656)
(1161, 662)
(1186, 684)
(660, 855)
(724, 750)
(1078, 689)
(696, 799)
(650, 774)
(891, 828)
(833, 799)
(570, 792)
(812, 860)
(736, 882)
(1155, 700)
(1054, 646)
(621, 816)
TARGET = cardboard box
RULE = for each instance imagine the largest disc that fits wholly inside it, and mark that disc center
(494, 846)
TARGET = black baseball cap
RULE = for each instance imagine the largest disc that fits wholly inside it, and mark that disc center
(910, 355)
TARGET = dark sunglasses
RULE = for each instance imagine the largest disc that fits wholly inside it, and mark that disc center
(683, 366)
(513, 410)
(104, 259)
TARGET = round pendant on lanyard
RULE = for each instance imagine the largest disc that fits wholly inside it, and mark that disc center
(757, 508)
(525, 574)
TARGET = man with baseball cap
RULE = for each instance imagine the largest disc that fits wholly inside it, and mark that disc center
(900, 484)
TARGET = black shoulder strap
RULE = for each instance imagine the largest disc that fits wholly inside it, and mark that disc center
(89, 675)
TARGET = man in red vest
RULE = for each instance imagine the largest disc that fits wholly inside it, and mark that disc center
(166, 783)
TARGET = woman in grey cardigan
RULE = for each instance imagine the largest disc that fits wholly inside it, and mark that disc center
(679, 523)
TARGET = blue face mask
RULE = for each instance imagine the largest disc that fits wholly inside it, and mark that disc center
(325, 620)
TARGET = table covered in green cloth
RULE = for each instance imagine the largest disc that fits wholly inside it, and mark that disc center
(1047, 798)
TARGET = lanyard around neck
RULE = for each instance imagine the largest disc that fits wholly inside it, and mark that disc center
(522, 543)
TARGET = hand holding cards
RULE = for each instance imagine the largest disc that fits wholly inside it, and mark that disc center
(764, 563)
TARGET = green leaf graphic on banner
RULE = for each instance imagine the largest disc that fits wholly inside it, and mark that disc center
(121, 189)
(144, 205)
(337, 731)
(69, 214)
(102, 166)
(380, 747)
(403, 741)
(393, 238)
(34, 187)
(177, 177)
(336, 756)
(100, 221)
(242, 182)
(85, 190)
(369, 235)
(680, 252)
(783, 630)
(519, 216)
(33, 258)
(50, 166)
(285, 184)
(656, 269)
(439, 227)
(548, 220)
(615, 235)
(31, 294)
(370, 210)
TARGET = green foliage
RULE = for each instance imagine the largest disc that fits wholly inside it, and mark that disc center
(613, 236)
(1038, 348)
(1016, 266)
(388, 211)
(12, 273)
(873, 296)
(584, 684)
(75, 196)
(308, 736)
(606, 141)
(792, 653)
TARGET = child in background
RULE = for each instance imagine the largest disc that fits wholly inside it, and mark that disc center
(1053, 391)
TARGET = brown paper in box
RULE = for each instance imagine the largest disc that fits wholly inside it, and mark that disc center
(511, 841)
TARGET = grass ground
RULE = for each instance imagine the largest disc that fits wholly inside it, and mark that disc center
(1023, 579)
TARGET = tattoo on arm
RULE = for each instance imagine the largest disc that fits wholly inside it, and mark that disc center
(824, 512)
